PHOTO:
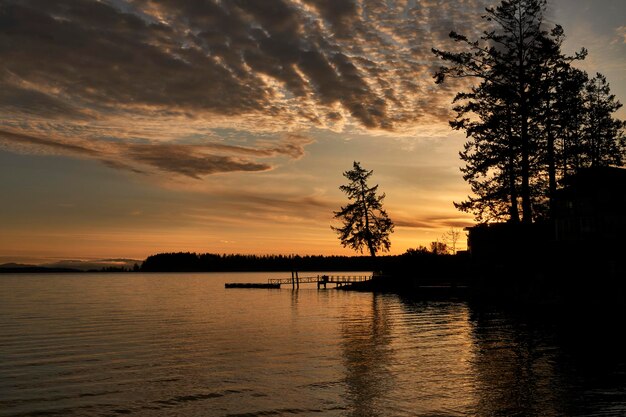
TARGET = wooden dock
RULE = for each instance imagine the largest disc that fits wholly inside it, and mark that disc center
(251, 285)
(320, 280)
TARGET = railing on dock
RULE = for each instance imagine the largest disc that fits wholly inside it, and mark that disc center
(320, 280)
(295, 281)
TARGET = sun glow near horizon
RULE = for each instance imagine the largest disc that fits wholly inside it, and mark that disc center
(152, 134)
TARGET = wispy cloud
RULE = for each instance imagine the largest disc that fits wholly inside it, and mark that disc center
(192, 161)
(620, 35)
(432, 222)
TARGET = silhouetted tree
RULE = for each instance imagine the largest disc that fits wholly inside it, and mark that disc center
(451, 239)
(547, 128)
(438, 248)
(491, 156)
(365, 222)
(419, 251)
(515, 63)
(569, 117)
(602, 138)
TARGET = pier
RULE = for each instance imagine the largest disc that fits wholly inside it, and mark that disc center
(251, 285)
(320, 280)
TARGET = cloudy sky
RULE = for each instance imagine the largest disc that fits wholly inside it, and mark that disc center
(129, 127)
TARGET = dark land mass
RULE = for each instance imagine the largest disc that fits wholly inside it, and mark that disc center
(12, 268)
(208, 262)
(515, 265)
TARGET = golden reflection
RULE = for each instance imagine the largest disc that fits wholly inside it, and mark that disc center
(366, 354)
(434, 343)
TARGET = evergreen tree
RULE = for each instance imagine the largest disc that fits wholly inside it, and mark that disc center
(547, 123)
(490, 156)
(602, 138)
(365, 222)
(507, 116)
(567, 112)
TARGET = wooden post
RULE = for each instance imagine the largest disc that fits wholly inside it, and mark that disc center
(293, 282)
(297, 280)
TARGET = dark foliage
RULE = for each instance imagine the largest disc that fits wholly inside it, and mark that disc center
(531, 119)
(209, 262)
(365, 221)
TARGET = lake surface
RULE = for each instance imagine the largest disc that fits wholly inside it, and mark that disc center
(182, 345)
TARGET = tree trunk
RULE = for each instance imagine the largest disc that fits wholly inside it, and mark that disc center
(551, 166)
(368, 234)
(513, 209)
(527, 215)
(522, 49)
(565, 150)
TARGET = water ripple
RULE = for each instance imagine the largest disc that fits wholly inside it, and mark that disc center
(180, 344)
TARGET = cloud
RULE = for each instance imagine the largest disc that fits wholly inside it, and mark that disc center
(432, 222)
(264, 209)
(214, 56)
(145, 72)
(193, 161)
(340, 14)
(292, 145)
(188, 160)
(620, 34)
(35, 143)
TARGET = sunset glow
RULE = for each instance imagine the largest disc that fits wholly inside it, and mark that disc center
(134, 127)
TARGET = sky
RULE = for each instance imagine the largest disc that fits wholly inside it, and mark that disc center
(131, 127)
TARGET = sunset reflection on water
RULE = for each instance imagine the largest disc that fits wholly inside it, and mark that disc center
(163, 344)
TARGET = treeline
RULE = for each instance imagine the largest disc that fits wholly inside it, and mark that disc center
(208, 262)
(135, 268)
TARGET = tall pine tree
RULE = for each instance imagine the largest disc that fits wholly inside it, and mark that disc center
(524, 117)
(602, 138)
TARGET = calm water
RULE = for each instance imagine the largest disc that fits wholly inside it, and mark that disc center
(182, 345)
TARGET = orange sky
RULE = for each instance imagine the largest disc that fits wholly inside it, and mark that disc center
(144, 127)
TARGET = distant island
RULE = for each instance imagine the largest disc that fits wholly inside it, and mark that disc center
(74, 265)
(12, 268)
